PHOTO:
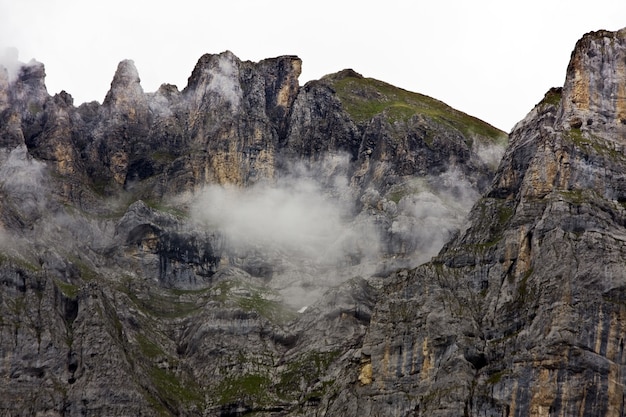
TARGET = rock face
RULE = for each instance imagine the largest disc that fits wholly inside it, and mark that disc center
(523, 312)
(131, 284)
(155, 249)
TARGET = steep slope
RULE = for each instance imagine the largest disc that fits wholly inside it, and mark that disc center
(523, 313)
(154, 249)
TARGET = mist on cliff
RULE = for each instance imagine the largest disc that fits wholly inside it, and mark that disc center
(9, 60)
(428, 217)
(22, 180)
(225, 81)
(307, 230)
(301, 215)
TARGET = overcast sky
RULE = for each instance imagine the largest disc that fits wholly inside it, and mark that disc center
(491, 59)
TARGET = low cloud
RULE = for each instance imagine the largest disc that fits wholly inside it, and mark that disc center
(418, 217)
(490, 155)
(293, 216)
(300, 230)
(225, 80)
(304, 233)
(22, 179)
(9, 60)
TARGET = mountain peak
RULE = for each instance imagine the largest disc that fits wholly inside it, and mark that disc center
(126, 84)
(594, 93)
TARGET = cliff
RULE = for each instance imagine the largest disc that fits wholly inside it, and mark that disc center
(156, 248)
(523, 312)
(249, 245)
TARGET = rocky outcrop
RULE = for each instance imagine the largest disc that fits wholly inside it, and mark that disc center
(522, 313)
(117, 298)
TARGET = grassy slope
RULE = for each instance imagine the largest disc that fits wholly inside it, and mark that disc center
(363, 98)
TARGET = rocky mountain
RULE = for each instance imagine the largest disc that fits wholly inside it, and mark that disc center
(250, 246)
(156, 249)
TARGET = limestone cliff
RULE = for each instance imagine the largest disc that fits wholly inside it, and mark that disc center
(523, 312)
(120, 295)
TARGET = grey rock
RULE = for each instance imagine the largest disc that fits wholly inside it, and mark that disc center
(115, 300)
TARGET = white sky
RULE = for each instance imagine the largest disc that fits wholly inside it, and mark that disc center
(491, 59)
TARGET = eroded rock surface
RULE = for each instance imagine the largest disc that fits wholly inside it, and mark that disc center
(117, 298)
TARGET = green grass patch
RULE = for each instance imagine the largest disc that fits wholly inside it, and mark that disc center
(68, 290)
(552, 97)
(148, 348)
(34, 108)
(162, 156)
(496, 377)
(171, 390)
(160, 304)
(249, 388)
(19, 263)
(494, 216)
(364, 98)
(523, 292)
(272, 310)
(588, 141)
(87, 273)
(164, 208)
(304, 371)
(250, 297)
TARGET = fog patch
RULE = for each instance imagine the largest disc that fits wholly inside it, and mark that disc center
(225, 80)
(293, 216)
(489, 154)
(22, 179)
(9, 60)
(300, 232)
(309, 229)
(421, 215)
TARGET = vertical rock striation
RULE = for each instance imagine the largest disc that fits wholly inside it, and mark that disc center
(115, 301)
(523, 312)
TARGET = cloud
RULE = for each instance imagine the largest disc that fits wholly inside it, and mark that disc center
(299, 231)
(9, 60)
(490, 155)
(304, 233)
(294, 216)
(22, 179)
(423, 216)
(225, 80)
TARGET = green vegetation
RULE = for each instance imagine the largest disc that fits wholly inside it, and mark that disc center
(588, 141)
(148, 348)
(363, 98)
(552, 97)
(249, 387)
(396, 196)
(305, 371)
(99, 186)
(523, 292)
(496, 377)
(34, 108)
(162, 156)
(162, 207)
(19, 262)
(171, 390)
(576, 197)
(272, 310)
(68, 290)
(86, 272)
(163, 305)
(253, 298)
(495, 215)
(157, 302)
